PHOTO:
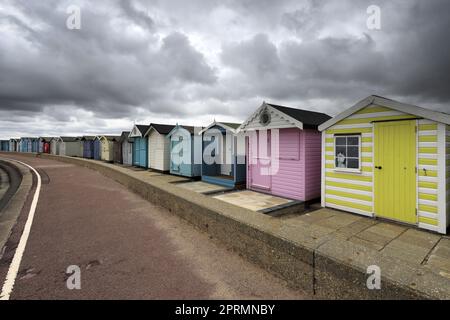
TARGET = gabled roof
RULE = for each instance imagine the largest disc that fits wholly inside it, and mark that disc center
(310, 119)
(88, 138)
(392, 104)
(160, 128)
(46, 139)
(302, 119)
(190, 129)
(109, 138)
(226, 125)
(69, 139)
(141, 128)
(124, 136)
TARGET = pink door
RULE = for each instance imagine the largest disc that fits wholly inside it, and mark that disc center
(259, 166)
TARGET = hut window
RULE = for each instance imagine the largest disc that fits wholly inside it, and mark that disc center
(347, 152)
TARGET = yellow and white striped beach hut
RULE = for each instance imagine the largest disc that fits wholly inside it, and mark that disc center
(382, 158)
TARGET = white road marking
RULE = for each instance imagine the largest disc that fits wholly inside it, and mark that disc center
(15, 264)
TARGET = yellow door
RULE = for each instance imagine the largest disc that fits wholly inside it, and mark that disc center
(395, 170)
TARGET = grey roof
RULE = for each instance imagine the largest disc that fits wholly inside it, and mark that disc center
(231, 125)
(69, 139)
(162, 128)
(143, 128)
(124, 136)
(310, 119)
(111, 138)
(88, 138)
(46, 139)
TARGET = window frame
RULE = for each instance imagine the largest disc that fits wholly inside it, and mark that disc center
(349, 135)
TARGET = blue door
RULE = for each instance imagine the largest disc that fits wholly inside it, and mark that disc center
(88, 148)
(97, 149)
(140, 152)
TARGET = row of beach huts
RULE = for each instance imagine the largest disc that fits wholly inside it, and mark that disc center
(380, 158)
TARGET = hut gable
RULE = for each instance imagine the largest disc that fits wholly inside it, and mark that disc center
(271, 116)
(139, 131)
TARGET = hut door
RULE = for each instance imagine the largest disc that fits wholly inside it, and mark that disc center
(260, 161)
(225, 167)
(395, 170)
(175, 157)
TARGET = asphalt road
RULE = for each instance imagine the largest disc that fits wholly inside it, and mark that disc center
(126, 247)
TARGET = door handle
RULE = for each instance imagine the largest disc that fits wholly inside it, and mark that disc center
(379, 167)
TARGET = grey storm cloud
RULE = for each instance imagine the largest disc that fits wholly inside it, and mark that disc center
(176, 59)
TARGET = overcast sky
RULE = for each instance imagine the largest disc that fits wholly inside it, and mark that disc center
(194, 61)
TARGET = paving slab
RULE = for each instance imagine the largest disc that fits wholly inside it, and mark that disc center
(202, 187)
(439, 259)
(252, 200)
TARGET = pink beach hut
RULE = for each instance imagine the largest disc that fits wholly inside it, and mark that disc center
(283, 147)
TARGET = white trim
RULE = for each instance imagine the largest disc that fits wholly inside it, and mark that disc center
(428, 227)
(348, 209)
(267, 106)
(428, 167)
(395, 105)
(428, 179)
(322, 184)
(350, 171)
(358, 201)
(220, 124)
(442, 206)
(376, 115)
(359, 192)
(429, 215)
(427, 132)
(431, 203)
(417, 171)
(428, 144)
(427, 155)
(355, 182)
(352, 126)
(428, 191)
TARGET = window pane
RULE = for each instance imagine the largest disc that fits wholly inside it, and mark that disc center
(353, 163)
(341, 151)
(340, 141)
(353, 152)
(341, 162)
(353, 141)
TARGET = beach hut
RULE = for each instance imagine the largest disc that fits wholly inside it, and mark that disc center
(54, 146)
(107, 147)
(26, 144)
(159, 146)
(88, 146)
(13, 145)
(97, 148)
(4, 145)
(35, 145)
(223, 162)
(68, 146)
(140, 145)
(386, 159)
(127, 150)
(44, 144)
(185, 151)
(283, 151)
(118, 147)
